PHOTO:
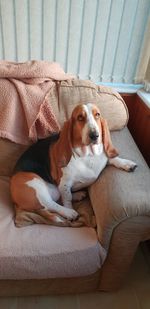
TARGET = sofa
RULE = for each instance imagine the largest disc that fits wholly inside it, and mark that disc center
(41, 259)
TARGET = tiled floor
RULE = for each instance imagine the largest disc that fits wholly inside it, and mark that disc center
(134, 295)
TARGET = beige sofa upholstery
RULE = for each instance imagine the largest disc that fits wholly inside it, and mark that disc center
(54, 252)
(42, 259)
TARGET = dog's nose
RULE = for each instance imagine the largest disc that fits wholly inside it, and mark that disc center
(93, 135)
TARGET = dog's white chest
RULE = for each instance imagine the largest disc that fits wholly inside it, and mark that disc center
(83, 170)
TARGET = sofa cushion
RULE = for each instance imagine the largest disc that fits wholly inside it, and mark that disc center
(9, 154)
(72, 92)
(42, 251)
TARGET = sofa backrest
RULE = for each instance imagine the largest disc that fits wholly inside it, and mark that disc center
(72, 92)
(64, 96)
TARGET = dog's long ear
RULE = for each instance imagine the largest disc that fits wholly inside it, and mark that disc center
(64, 145)
(110, 150)
(61, 151)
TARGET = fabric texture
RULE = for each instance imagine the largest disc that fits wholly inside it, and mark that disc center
(9, 154)
(125, 239)
(25, 112)
(84, 284)
(72, 92)
(42, 251)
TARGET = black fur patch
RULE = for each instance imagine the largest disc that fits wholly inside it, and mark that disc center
(36, 158)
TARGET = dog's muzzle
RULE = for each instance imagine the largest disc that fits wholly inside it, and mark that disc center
(93, 135)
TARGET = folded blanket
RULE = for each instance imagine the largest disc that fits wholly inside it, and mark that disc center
(25, 111)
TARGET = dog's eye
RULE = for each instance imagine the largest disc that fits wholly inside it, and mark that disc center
(80, 118)
(97, 115)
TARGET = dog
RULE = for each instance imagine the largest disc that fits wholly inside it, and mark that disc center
(63, 164)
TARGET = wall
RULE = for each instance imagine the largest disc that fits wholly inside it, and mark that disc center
(139, 123)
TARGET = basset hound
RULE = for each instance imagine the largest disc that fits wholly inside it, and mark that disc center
(64, 163)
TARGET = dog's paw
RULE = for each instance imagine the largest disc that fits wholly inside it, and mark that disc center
(129, 165)
(70, 214)
(79, 196)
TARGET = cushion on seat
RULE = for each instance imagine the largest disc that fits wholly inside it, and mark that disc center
(42, 251)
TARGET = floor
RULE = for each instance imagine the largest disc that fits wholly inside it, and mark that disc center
(134, 295)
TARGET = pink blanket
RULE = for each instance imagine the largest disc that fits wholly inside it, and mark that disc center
(25, 112)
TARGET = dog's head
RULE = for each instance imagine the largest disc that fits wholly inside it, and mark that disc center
(88, 127)
(85, 127)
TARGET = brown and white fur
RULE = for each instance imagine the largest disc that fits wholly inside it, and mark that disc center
(77, 158)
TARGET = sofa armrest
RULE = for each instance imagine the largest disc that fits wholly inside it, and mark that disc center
(123, 246)
(117, 195)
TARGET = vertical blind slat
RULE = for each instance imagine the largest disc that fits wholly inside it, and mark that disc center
(7, 13)
(93, 39)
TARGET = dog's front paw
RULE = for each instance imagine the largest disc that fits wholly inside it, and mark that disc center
(70, 214)
(129, 165)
